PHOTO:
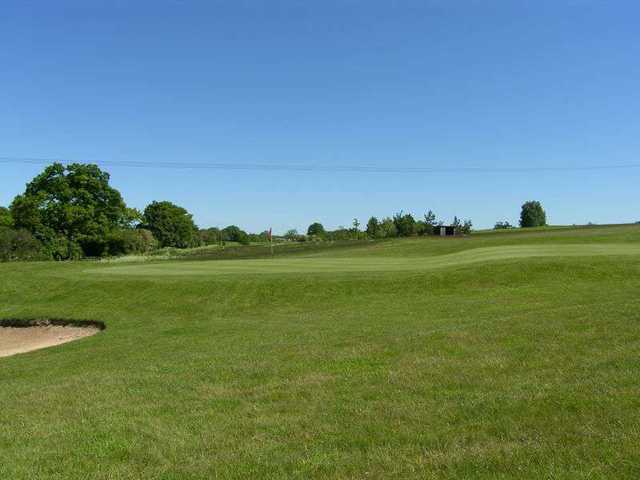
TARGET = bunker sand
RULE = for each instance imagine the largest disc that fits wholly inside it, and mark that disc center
(15, 340)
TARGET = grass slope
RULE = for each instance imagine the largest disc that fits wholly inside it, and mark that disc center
(508, 355)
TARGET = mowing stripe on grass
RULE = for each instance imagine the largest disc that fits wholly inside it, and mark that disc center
(368, 264)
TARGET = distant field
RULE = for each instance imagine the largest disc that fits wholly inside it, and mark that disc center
(371, 263)
(497, 355)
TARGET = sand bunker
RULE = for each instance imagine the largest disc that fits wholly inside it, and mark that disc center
(20, 339)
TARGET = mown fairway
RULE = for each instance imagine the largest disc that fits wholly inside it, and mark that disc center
(500, 355)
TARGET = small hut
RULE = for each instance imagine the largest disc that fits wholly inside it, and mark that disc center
(444, 230)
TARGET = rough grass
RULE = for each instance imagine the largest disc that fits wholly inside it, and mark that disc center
(524, 366)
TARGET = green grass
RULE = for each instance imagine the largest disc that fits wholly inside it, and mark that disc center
(499, 355)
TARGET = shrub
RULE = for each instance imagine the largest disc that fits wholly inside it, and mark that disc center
(144, 241)
(120, 242)
(19, 245)
(61, 248)
(502, 226)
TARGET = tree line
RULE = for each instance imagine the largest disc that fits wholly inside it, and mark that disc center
(71, 211)
(399, 225)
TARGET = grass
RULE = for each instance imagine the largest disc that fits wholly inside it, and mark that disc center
(508, 355)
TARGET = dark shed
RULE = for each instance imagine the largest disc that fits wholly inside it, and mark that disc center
(444, 230)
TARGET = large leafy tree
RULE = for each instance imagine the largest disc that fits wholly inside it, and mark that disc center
(74, 202)
(532, 215)
(170, 224)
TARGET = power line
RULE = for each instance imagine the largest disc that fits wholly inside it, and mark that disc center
(316, 168)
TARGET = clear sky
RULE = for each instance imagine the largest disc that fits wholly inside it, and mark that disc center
(429, 84)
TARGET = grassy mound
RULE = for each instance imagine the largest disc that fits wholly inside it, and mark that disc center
(498, 355)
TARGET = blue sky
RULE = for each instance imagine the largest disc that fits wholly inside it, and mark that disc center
(429, 84)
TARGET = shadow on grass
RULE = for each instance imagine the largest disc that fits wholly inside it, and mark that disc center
(45, 322)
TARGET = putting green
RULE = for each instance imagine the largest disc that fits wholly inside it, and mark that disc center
(367, 264)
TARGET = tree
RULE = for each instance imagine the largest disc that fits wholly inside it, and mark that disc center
(19, 245)
(502, 225)
(356, 227)
(532, 215)
(340, 233)
(388, 228)
(170, 224)
(70, 205)
(420, 227)
(233, 233)
(291, 235)
(316, 230)
(465, 227)
(405, 224)
(373, 227)
(430, 218)
(261, 237)
(6, 220)
(429, 223)
(209, 236)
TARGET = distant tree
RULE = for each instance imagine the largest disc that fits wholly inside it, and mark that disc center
(209, 236)
(233, 233)
(502, 225)
(341, 233)
(170, 224)
(316, 230)
(6, 220)
(465, 227)
(532, 215)
(259, 237)
(429, 223)
(405, 224)
(388, 228)
(421, 228)
(372, 227)
(66, 206)
(243, 238)
(356, 227)
(230, 233)
(291, 235)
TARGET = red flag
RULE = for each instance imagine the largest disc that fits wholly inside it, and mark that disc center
(269, 234)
